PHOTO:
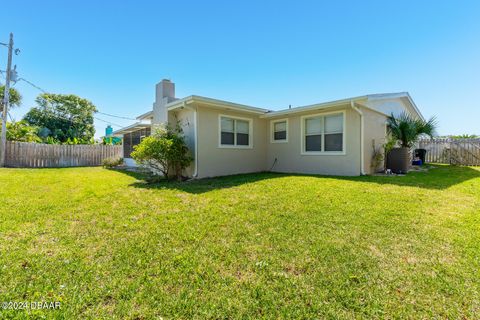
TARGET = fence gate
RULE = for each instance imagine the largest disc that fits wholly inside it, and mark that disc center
(38, 155)
(464, 152)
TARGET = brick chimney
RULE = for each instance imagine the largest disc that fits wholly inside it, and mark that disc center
(164, 93)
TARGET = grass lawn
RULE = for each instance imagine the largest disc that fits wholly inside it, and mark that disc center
(250, 246)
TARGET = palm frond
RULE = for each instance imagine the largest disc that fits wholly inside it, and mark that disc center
(406, 129)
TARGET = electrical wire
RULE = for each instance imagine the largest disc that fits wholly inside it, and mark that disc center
(107, 114)
(111, 123)
(112, 115)
(32, 84)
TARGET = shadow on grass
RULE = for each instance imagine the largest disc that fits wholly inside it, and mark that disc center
(437, 177)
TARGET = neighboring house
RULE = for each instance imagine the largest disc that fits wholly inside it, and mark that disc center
(333, 138)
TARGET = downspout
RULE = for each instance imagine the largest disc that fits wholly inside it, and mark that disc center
(362, 158)
(195, 138)
(195, 172)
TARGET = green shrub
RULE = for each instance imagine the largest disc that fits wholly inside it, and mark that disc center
(22, 131)
(164, 153)
(112, 162)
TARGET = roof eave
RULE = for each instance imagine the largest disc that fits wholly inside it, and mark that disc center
(215, 103)
(145, 115)
(401, 95)
(318, 106)
(134, 127)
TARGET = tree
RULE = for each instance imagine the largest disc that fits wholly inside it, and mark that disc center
(22, 131)
(465, 136)
(15, 98)
(406, 129)
(164, 153)
(63, 118)
(111, 141)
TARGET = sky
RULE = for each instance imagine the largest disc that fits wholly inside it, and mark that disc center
(268, 54)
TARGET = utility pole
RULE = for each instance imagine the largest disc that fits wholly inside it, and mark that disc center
(6, 100)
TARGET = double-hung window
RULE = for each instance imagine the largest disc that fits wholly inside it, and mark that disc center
(323, 133)
(279, 130)
(235, 132)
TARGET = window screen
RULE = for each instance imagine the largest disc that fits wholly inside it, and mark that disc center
(234, 132)
(227, 131)
(334, 133)
(326, 130)
(280, 130)
(242, 128)
(313, 134)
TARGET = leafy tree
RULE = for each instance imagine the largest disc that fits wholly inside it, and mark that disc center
(164, 153)
(15, 98)
(50, 140)
(465, 136)
(406, 129)
(22, 131)
(111, 141)
(63, 118)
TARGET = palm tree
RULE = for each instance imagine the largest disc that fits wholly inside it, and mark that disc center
(407, 129)
(15, 98)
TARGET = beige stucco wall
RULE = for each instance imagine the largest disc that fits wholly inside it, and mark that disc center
(374, 134)
(216, 161)
(290, 159)
(389, 106)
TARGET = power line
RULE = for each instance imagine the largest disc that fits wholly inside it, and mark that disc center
(107, 114)
(112, 115)
(32, 84)
(81, 122)
(114, 124)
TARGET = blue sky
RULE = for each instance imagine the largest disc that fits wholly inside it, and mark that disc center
(263, 53)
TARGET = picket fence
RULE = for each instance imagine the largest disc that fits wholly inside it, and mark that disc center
(37, 155)
(464, 152)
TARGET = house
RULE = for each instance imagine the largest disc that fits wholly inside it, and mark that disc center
(333, 138)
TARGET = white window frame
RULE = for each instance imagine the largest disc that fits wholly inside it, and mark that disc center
(235, 146)
(323, 153)
(272, 131)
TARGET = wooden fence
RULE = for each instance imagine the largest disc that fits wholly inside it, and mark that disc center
(464, 152)
(37, 155)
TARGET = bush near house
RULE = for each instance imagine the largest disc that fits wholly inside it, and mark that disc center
(112, 162)
(164, 153)
(256, 246)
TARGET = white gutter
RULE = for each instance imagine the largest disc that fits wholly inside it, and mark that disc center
(362, 158)
(195, 138)
(195, 172)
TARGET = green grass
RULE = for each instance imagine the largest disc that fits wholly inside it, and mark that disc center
(250, 246)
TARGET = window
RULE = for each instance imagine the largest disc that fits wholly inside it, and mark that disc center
(323, 133)
(279, 130)
(313, 134)
(228, 131)
(235, 132)
(242, 128)
(334, 133)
